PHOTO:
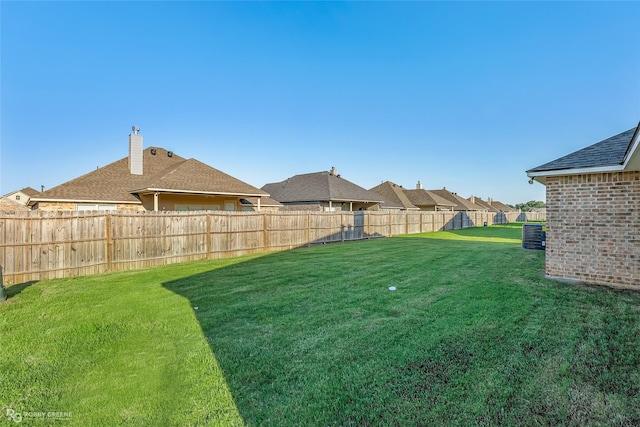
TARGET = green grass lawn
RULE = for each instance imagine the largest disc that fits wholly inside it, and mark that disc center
(473, 335)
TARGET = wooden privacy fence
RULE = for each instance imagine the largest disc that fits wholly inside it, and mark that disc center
(44, 245)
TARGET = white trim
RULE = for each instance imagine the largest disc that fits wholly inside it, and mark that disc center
(578, 171)
(216, 193)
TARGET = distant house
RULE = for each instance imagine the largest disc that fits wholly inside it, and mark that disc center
(459, 203)
(427, 200)
(593, 211)
(491, 205)
(17, 200)
(478, 201)
(394, 197)
(322, 191)
(153, 179)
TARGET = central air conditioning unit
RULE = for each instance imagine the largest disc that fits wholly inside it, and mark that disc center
(534, 236)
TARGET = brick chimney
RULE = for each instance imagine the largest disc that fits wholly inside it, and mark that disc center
(135, 152)
(419, 186)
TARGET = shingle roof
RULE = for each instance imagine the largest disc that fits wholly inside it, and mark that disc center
(461, 204)
(394, 196)
(609, 152)
(26, 190)
(194, 176)
(478, 201)
(420, 197)
(319, 187)
(115, 183)
(501, 206)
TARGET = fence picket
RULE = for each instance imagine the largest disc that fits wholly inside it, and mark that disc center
(43, 245)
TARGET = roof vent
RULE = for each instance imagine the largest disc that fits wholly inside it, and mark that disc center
(170, 153)
(153, 151)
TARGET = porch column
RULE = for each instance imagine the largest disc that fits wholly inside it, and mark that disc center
(155, 201)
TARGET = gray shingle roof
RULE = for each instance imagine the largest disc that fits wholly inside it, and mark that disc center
(319, 187)
(608, 152)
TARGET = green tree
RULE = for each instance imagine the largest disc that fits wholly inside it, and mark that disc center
(531, 204)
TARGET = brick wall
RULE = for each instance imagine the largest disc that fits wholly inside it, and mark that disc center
(593, 230)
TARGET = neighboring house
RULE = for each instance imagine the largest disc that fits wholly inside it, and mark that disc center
(491, 205)
(460, 203)
(478, 201)
(427, 200)
(17, 200)
(266, 204)
(593, 212)
(394, 197)
(152, 179)
(322, 191)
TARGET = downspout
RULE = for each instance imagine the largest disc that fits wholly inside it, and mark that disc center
(155, 201)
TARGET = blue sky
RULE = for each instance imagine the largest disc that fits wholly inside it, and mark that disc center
(466, 95)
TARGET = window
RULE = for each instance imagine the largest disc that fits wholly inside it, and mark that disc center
(17, 197)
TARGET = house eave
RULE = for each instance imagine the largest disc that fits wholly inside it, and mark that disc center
(541, 176)
(150, 190)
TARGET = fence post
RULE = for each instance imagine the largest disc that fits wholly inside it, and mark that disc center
(406, 222)
(266, 234)
(3, 294)
(107, 223)
(208, 236)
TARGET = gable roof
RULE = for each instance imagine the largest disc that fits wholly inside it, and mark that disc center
(193, 176)
(461, 204)
(421, 197)
(394, 196)
(115, 184)
(617, 153)
(319, 187)
(26, 190)
(478, 201)
(501, 206)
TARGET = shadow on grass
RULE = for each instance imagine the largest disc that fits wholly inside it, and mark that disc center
(14, 290)
(293, 330)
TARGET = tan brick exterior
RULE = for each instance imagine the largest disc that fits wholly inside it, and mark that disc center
(71, 206)
(593, 232)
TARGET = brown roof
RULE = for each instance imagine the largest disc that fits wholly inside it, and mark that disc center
(501, 206)
(319, 187)
(421, 197)
(115, 183)
(461, 203)
(478, 201)
(394, 195)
